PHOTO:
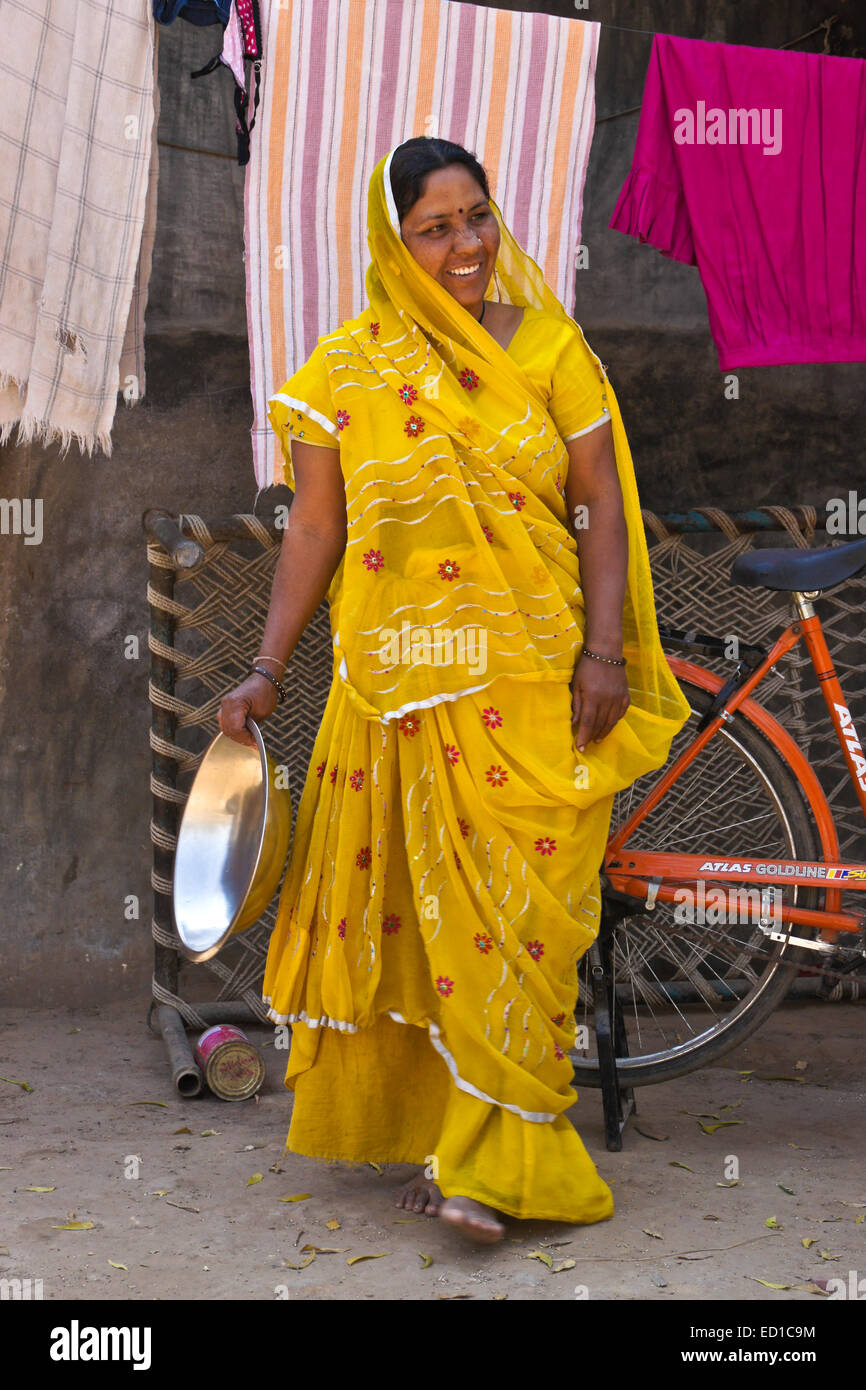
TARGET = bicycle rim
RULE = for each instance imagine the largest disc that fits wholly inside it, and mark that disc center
(688, 992)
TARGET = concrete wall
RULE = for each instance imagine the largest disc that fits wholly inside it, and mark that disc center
(74, 712)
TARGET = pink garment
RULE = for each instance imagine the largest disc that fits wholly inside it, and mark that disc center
(749, 164)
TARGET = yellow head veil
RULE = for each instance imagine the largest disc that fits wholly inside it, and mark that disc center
(454, 489)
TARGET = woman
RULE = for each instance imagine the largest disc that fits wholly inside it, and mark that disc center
(465, 494)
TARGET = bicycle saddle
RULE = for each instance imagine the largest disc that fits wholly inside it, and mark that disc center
(802, 570)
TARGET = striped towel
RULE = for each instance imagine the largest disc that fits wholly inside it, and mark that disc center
(344, 82)
(77, 215)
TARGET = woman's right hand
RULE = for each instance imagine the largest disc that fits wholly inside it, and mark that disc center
(255, 696)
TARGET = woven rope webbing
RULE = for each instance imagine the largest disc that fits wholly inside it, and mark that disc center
(220, 610)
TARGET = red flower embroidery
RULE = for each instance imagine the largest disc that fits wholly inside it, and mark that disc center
(320, 771)
(342, 419)
(464, 826)
(457, 859)
(444, 985)
(452, 753)
(484, 943)
(488, 533)
(341, 929)
(518, 499)
(363, 858)
(333, 774)
(468, 379)
(492, 718)
(357, 780)
(545, 845)
(391, 924)
(558, 483)
(407, 393)
(409, 725)
(414, 426)
(535, 949)
(496, 775)
(374, 329)
(449, 569)
(558, 1052)
(374, 560)
(559, 1020)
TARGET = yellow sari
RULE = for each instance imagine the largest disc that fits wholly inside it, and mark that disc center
(443, 881)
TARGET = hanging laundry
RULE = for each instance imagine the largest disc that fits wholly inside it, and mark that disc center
(749, 164)
(198, 12)
(351, 79)
(242, 39)
(77, 214)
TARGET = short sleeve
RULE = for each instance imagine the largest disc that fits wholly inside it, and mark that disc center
(578, 397)
(302, 409)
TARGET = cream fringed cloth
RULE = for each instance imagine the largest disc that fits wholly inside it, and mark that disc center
(77, 216)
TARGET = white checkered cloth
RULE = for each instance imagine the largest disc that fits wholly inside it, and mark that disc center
(78, 175)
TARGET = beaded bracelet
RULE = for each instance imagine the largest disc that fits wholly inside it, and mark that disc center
(280, 689)
(610, 660)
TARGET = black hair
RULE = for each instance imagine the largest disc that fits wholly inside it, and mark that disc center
(416, 158)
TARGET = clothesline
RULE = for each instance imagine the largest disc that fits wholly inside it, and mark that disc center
(621, 28)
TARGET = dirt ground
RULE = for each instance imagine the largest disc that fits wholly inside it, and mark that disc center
(191, 1225)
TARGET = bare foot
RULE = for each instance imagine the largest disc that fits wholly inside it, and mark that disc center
(420, 1194)
(473, 1219)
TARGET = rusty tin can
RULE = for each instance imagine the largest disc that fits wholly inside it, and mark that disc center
(232, 1067)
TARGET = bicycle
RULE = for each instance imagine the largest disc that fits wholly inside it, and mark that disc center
(767, 843)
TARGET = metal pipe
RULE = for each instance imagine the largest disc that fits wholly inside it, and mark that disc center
(185, 1073)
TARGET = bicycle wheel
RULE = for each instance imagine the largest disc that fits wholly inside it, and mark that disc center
(689, 992)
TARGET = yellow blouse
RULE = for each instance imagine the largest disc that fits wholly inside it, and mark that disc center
(550, 352)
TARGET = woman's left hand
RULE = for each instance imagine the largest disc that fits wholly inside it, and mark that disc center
(600, 699)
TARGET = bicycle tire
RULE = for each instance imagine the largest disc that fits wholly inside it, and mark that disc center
(782, 960)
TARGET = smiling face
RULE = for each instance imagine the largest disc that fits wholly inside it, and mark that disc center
(452, 233)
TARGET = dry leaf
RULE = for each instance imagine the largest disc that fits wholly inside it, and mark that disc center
(426, 1260)
(672, 1163)
(648, 1134)
(722, 1124)
(783, 1188)
(180, 1206)
(767, 1284)
(302, 1265)
(712, 1218)
(296, 1197)
(206, 1133)
(333, 1224)
(376, 1166)
(356, 1259)
(539, 1255)
(655, 1235)
(256, 1177)
(186, 1130)
(813, 1287)
(851, 1204)
(701, 1114)
(38, 1189)
(117, 1266)
(800, 1066)
(75, 1226)
(163, 1103)
(732, 1106)
(825, 1255)
(566, 1264)
(801, 1079)
(25, 1085)
(806, 1241)
(858, 1219)
(549, 1244)
(158, 1192)
(772, 1223)
(734, 1182)
(325, 1249)
(804, 1147)
(406, 1220)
